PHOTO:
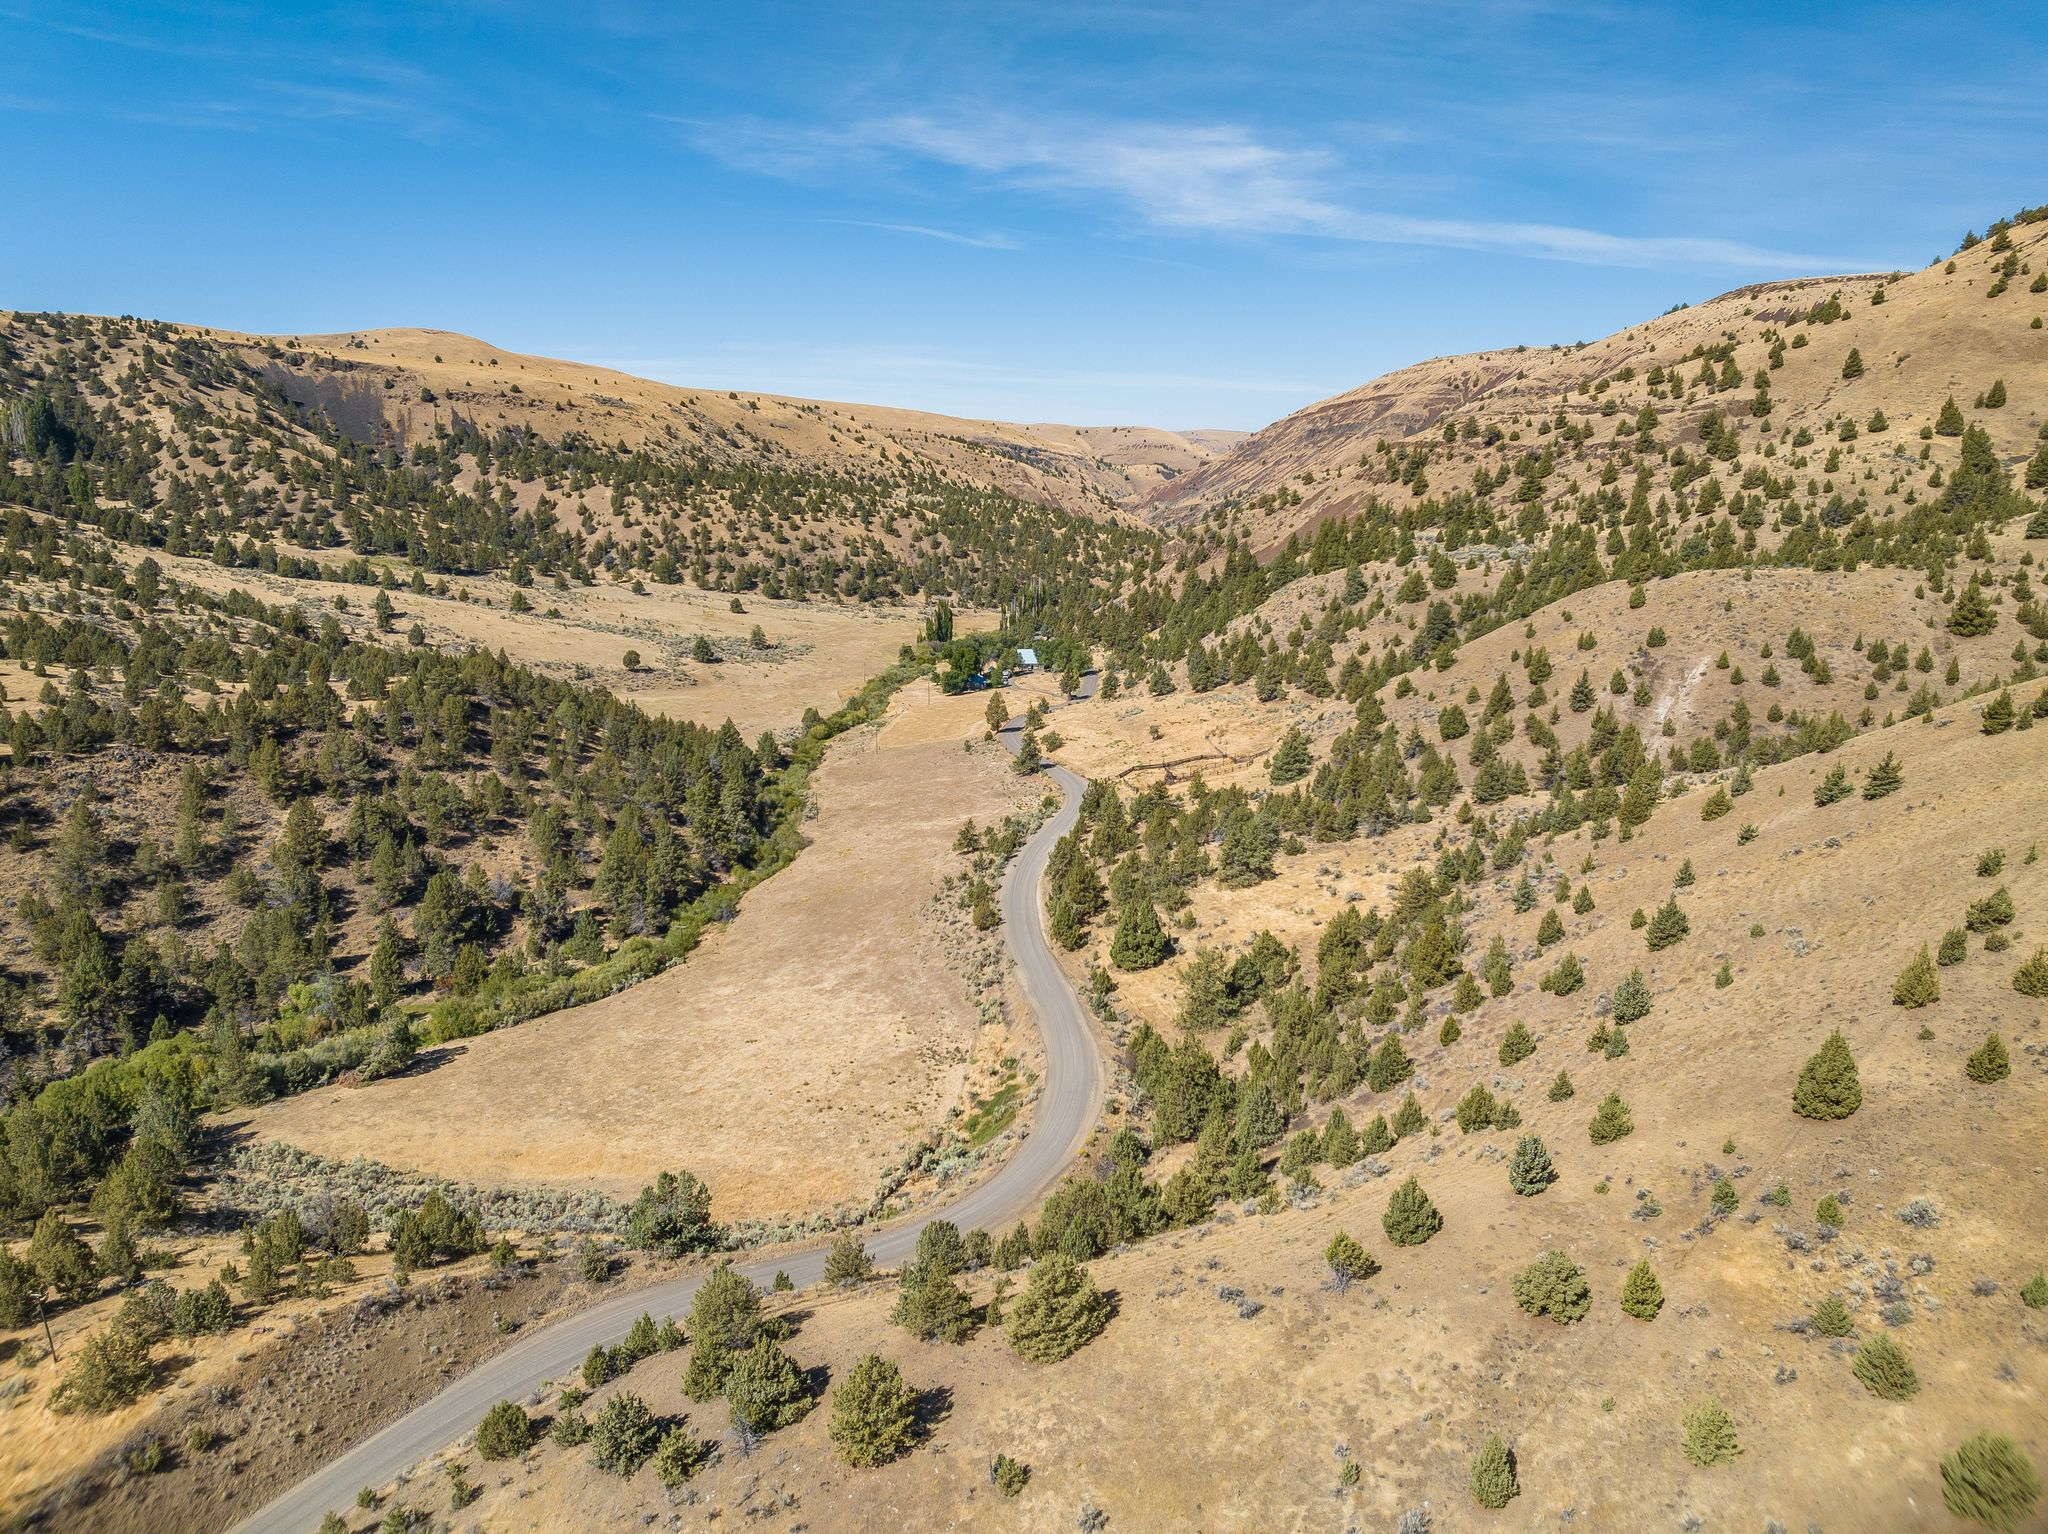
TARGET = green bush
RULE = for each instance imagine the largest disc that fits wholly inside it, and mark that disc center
(1642, 1296)
(1492, 1478)
(1989, 1479)
(1828, 1087)
(1885, 1370)
(1611, 1121)
(1831, 1317)
(1554, 1286)
(1348, 1260)
(1410, 1218)
(623, 1437)
(1710, 1435)
(1008, 1475)
(874, 1414)
(1917, 985)
(505, 1433)
(1989, 1062)
(1530, 1169)
(1060, 1311)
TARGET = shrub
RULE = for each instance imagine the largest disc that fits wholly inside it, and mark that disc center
(1477, 1109)
(1994, 910)
(1642, 1296)
(623, 1437)
(505, 1433)
(1516, 1044)
(2031, 978)
(1059, 1311)
(1989, 1479)
(569, 1428)
(110, 1371)
(1917, 985)
(1885, 778)
(1827, 1087)
(1989, 1062)
(1492, 1479)
(1832, 788)
(1410, 1218)
(1725, 1197)
(1829, 1211)
(1632, 998)
(1611, 1121)
(1008, 1475)
(1348, 1260)
(1955, 947)
(2034, 1292)
(1562, 1090)
(1885, 1370)
(1530, 1170)
(679, 1456)
(1831, 1317)
(874, 1414)
(1710, 1435)
(1567, 977)
(1554, 1286)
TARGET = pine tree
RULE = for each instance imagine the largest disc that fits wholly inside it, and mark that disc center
(1340, 1140)
(623, 1435)
(1140, 942)
(1989, 1062)
(1884, 778)
(1852, 365)
(1561, 1090)
(1827, 1086)
(1517, 1044)
(932, 1307)
(1953, 949)
(1554, 1286)
(1550, 929)
(61, 1260)
(1530, 1169)
(874, 1414)
(1885, 1369)
(1450, 1033)
(1710, 1435)
(1410, 1217)
(1949, 423)
(1989, 1479)
(1668, 926)
(1917, 985)
(1831, 1317)
(1477, 1110)
(505, 1433)
(1377, 1138)
(1642, 1296)
(1632, 998)
(765, 1389)
(848, 1262)
(1059, 1311)
(1492, 1479)
(1611, 1121)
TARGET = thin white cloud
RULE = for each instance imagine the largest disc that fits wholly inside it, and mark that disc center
(1205, 178)
(951, 237)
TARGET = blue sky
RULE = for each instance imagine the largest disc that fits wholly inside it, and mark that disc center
(1186, 215)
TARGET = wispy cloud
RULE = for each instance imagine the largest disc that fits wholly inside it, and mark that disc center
(950, 236)
(1214, 178)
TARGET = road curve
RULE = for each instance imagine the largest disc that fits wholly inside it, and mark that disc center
(1069, 1101)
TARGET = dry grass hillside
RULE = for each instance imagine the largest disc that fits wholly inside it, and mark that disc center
(1936, 333)
(1274, 1383)
(409, 383)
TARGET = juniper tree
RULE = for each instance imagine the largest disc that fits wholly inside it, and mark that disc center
(1885, 1370)
(1642, 1296)
(1517, 1044)
(1410, 1218)
(1561, 1090)
(1989, 1479)
(1140, 942)
(1829, 1211)
(679, 1456)
(1568, 976)
(1450, 1033)
(1989, 1062)
(1885, 778)
(1954, 948)
(1340, 1145)
(1477, 1109)
(111, 1370)
(1492, 1477)
(672, 1216)
(1377, 1138)
(1831, 1317)
(1389, 1065)
(1917, 985)
(874, 1414)
(1999, 715)
(1668, 926)
(1060, 1311)
(931, 1306)
(765, 1389)
(1553, 1286)
(1348, 1260)
(1409, 1118)
(725, 1319)
(1631, 998)
(1530, 1169)
(1550, 929)
(2034, 1292)
(1291, 760)
(1993, 911)
(1710, 1435)
(506, 1432)
(2031, 978)
(848, 1262)
(1973, 613)
(1827, 1087)
(1611, 1121)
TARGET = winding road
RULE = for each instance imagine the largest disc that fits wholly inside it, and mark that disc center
(1068, 1103)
